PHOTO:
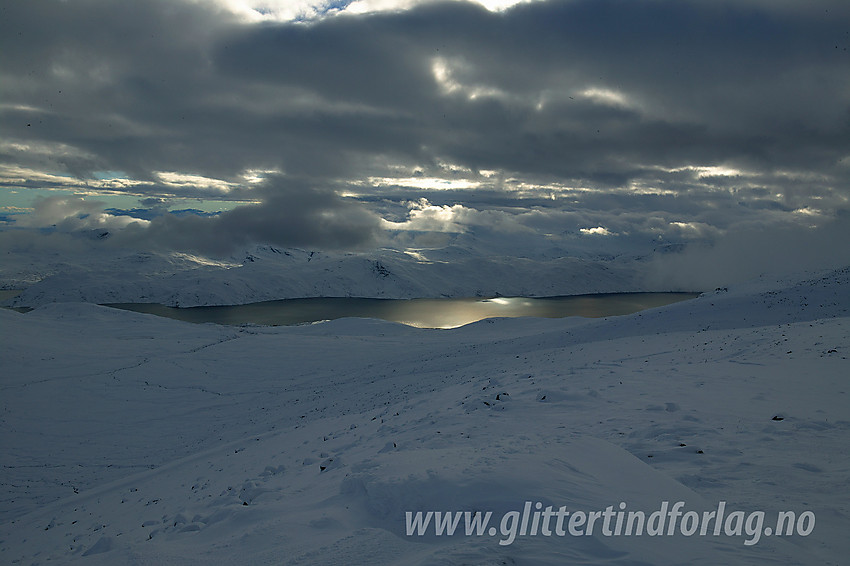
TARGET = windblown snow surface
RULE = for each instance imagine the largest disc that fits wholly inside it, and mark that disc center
(132, 439)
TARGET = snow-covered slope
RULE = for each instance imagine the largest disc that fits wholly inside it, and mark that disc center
(130, 439)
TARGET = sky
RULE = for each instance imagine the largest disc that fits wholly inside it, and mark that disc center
(710, 124)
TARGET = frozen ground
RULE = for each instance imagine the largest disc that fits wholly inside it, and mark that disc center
(130, 439)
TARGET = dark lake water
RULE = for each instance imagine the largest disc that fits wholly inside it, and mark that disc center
(422, 313)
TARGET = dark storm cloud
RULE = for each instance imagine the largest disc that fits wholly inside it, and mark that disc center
(700, 83)
(168, 86)
(601, 94)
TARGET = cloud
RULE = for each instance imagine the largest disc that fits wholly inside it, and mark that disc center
(667, 119)
(288, 216)
(751, 251)
(583, 90)
(423, 216)
(307, 10)
(598, 231)
(72, 214)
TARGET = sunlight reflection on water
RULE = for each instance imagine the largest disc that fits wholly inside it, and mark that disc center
(421, 313)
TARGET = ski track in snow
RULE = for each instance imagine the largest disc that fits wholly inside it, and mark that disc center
(131, 439)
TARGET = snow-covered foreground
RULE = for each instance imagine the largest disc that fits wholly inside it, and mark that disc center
(131, 439)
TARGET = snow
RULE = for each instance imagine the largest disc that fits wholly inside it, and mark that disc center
(267, 273)
(133, 439)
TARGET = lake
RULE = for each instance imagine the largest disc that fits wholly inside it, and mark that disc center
(421, 313)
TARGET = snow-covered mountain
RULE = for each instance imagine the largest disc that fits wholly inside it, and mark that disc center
(266, 273)
(132, 439)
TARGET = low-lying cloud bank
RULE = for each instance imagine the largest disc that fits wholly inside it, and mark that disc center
(749, 252)
(288, 217)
